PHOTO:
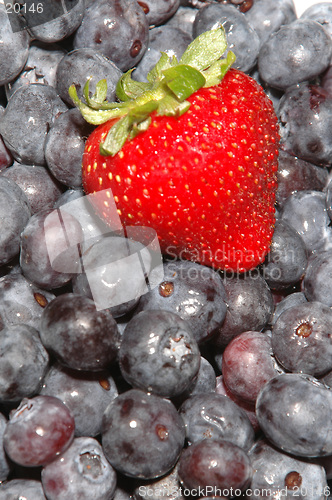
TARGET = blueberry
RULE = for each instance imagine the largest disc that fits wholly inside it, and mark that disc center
(82, 471)
(213, 416)
(23, 363)
(215, 463)
(166, 488)
(267, 16)
(317, 280)
(38, 430)
(306, 212)
(293, 299)
(14, 215)
(241, 37)
(78, 66)
(86, 394)
(287, 261)
(14, 49)
(26, 120)
(301, 338)
(275, 471)
(142, 434)
(119, 30)
(158, 12)
(297, 52)
(183, 19)
(173, 41)
(158, 353)
(29, 489)
(247, 364)
(304, 114)
(194, 292)
(43, 234)
(21, 302)
(40, 67)
(64, 147)
(205, 381)
(294, 411)
(80, 336)
(249, 306)
(295, 174)
(5, 465)
(322, 13)
(40, 187)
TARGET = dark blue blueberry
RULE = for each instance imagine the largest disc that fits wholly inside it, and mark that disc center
(241, 37)
(275, 472)
(64, 147)
(29, 489)
(194, 292)
(318, 278)
(294, 412)
(38, 430)
(322, 13)
(305, 119)
(168, 486)
(29, 114)
(247, 364)
(86, 394)
(23, 362)
(40, 67)
(249, 306)
(118, 29)
(205, 381)
(6, 158)
(21, 302)
(40, 187)
(301, 339)
(172, 41)
(287, 260)
(267, 16)
(328, 192)
(158, 11)
(293, 299)
(297, 52)
(158, 353)
(295, 174)
(5, 465)
(215, 463)
(78, 66)
(82, 471)
(14, 49)
(15, 213)
(50, 28)
(68, 196)
(43, 235)
(213, 416)
(183, 19)
(80, 336)
(142, 434)
(306, 212)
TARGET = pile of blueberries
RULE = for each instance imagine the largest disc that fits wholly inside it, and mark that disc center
(205, 385)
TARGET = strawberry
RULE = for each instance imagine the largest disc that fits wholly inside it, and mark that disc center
(197, 161)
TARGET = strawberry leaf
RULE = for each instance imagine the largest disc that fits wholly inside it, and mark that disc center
(205, 49)
(218, 70)
(156, 74)
(128, 89)
(183, 80)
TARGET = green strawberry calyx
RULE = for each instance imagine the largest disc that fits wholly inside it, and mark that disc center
(168, 86)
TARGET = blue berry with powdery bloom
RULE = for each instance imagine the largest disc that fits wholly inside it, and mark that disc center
(294, 412)
(302, 40)
(320, 12)
(241, 37)
(213, 416)
(158, 353)
(194, 292)
(82, 471)
(23, 362)
(318, 276)
(159, 11)
(275, 471)
(142, 434)
(118, 29)
(86, 394)
(5, 465)
(301, 339)
(29, 489)
(15, 213)
(293, 299)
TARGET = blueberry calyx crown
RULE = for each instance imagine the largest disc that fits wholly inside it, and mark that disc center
(168, 86)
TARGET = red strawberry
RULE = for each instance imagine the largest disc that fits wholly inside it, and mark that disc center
(204, 180)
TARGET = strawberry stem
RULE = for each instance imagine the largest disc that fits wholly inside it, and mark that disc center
(169, 84)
